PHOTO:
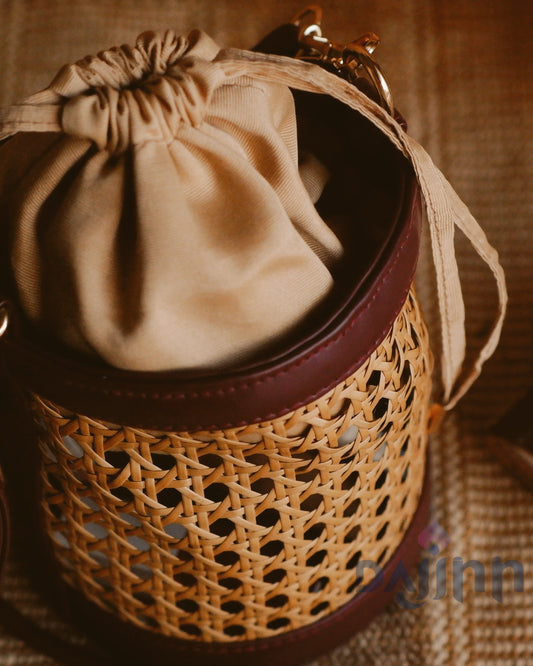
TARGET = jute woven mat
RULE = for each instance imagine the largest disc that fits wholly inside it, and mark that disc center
(463, 76)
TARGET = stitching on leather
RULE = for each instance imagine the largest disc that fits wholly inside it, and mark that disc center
(301, 403)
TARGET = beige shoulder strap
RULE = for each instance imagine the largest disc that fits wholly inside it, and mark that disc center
(445, 210)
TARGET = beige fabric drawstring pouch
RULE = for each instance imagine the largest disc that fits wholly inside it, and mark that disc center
(178, 231)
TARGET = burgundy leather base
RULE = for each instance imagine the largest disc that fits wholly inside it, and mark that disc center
(133, 646)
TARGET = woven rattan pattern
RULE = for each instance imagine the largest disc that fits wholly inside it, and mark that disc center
(249, 532)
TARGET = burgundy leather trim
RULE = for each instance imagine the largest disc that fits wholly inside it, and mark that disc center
(137, 646)
(161, 401)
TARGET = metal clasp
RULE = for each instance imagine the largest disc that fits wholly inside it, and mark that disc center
(351, 61)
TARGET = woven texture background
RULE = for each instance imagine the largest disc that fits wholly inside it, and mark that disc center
(463, 76)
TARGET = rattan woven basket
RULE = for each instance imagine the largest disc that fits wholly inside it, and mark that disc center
(247, 532)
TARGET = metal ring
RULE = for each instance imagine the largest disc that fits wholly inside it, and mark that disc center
(377, 79)
(4, 318)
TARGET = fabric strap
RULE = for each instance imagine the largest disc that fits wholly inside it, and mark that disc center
(445, 211)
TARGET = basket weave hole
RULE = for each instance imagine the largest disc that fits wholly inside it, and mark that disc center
(406, 375)
(278, 623)
(61, 539)
(185, 579)
(123, 494)
(380, 452)
(348, 436)
(211, 461)
(234, 630)
(350, 481)
(227, 558)
(352, 508)
(275, 576)
(232, 607)
(187, 605)
(307, 476)
(142, 571)
(258, 460)
(169, 497)
(381, 479)
(382, 532)
(268, 518)
(352, 534)
(100, 558)
(381, 409)
(230, 583)
(103, 583)
(138, 543)
(56, 511)
(144, 598)
(72, 447)
(277, 601)
(382, 555)
(96, 530)
(216, 492)
(163, 461)
(316, 559)
(90, 503)
(55, 483)
(383, 506)
(118, 460)
(263, 486)
(149, 621)
(130, 519)
(48, 452)
(312, 503)
(222, 527)
(175, 530)
(354, 560)
(376, 377)
(191, 629)
(319, 585)
(314, 531)
(320, 608)
(272, 548)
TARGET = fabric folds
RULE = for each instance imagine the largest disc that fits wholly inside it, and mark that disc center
(161, 223)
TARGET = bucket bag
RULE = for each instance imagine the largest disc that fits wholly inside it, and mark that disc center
(219, 376)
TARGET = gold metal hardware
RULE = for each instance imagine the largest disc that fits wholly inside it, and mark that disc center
(4, 318)
(351, 61)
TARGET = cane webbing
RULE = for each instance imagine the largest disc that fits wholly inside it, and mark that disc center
(249, 532)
